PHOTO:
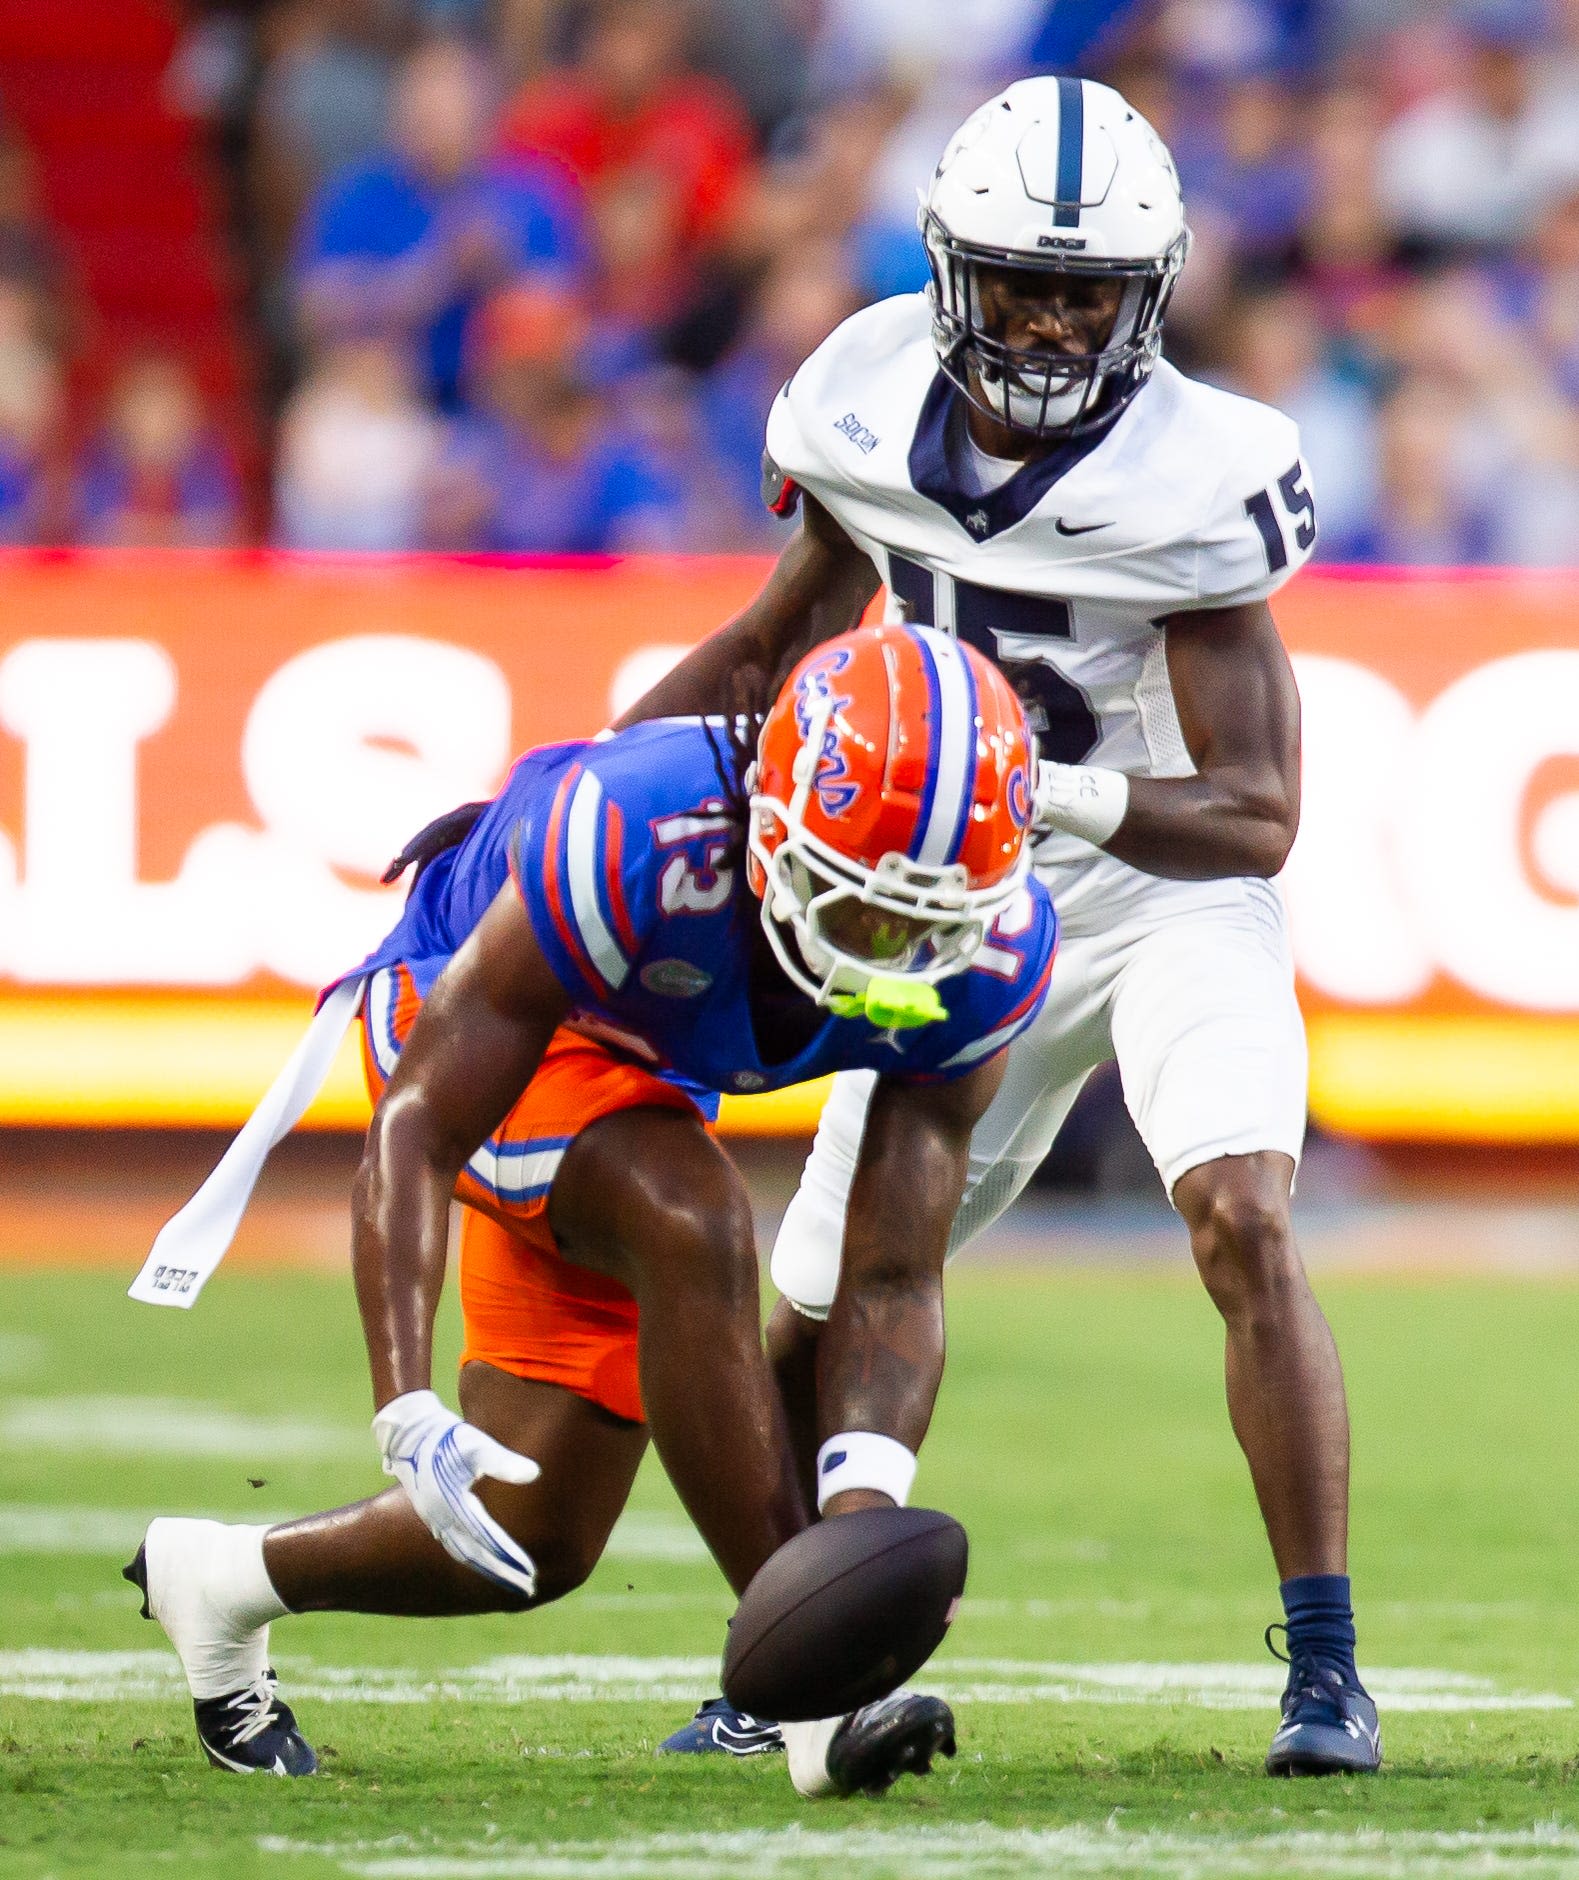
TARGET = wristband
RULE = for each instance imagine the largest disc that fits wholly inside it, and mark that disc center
(1080, 801)
(863, 1459)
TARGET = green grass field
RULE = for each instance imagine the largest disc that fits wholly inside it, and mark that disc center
(1113, 1696)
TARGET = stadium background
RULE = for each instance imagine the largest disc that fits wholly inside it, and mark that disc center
(490, 285)
(381, 389)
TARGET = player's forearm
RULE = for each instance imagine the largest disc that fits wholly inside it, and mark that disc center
(1200, 828)
(400, 1231)
(705, 680)
(1205, 828)
(880, 1355)
(1238, 709)
(472, 1050)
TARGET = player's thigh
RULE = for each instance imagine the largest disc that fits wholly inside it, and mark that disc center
(647, 1196)
(1208, 1035)
(1046, 1069)
(1047, 1065)
(588, 1457)
(552, 1231)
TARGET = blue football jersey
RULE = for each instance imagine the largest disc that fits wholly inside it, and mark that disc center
(629, 861)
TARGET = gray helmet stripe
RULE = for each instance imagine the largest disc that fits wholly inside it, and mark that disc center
(1071, 152)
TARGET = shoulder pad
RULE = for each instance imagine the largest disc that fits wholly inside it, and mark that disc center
(1260, 527)
(815, 404)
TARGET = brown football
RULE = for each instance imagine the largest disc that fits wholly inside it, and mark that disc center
(844, 1613)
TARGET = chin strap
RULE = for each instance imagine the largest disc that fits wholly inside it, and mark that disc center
(891, 1003)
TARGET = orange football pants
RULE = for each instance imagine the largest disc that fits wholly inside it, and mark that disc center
(525, 1309)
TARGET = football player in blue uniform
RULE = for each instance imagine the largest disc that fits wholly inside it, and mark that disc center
(633, 926)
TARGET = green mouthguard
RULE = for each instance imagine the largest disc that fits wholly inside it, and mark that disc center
(891, 1004)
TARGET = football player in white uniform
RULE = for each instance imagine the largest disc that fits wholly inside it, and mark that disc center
(1011, 458)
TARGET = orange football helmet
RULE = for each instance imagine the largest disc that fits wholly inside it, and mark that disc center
(890, 802)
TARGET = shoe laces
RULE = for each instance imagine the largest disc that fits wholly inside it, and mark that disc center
(881, 1706)
(1311, 1680)
(255, 1707)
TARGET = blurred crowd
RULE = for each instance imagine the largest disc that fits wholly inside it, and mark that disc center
(526, 274)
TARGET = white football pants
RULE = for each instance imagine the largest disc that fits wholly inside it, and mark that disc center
(1191, 990)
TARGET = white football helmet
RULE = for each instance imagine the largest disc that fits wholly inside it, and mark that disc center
(1057, 176)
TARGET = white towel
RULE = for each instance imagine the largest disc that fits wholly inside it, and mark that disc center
(192, 1243)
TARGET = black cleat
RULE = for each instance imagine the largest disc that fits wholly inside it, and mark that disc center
(718, 1728)
(253, 1733)
(1329, 1725)
(136, 1570)
(881, 1742)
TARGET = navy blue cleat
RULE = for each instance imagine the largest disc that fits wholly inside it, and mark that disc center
(719, 1729)
(1329, 1725)
(253, 1733)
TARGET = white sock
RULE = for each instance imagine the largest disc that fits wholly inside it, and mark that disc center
(251, 1597)
(806, 1751)
(209, 1589)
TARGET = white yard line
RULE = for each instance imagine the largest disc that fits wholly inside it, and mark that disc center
(575, 1677)
(972, 1852)
(64, 1528)
(1209, 1686)
(640, 1535)
(167, 1426)
(1127, 1611)
(70, 1528)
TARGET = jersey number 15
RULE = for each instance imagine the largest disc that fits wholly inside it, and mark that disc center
(1299, 506)
(1058, 712)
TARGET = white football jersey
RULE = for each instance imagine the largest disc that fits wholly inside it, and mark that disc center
(1193, 498)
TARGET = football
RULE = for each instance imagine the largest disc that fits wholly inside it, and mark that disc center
(844, 1613)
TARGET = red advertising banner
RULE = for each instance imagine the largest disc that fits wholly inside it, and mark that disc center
(205, 762)
(1433, 892)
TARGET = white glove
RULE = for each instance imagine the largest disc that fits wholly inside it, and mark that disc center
(436, 1457)
(1079, 800)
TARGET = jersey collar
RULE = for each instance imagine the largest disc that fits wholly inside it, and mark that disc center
(936, 470)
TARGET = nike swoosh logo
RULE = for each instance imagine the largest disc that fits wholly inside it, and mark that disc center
(745, 1741)
(1084, 528)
